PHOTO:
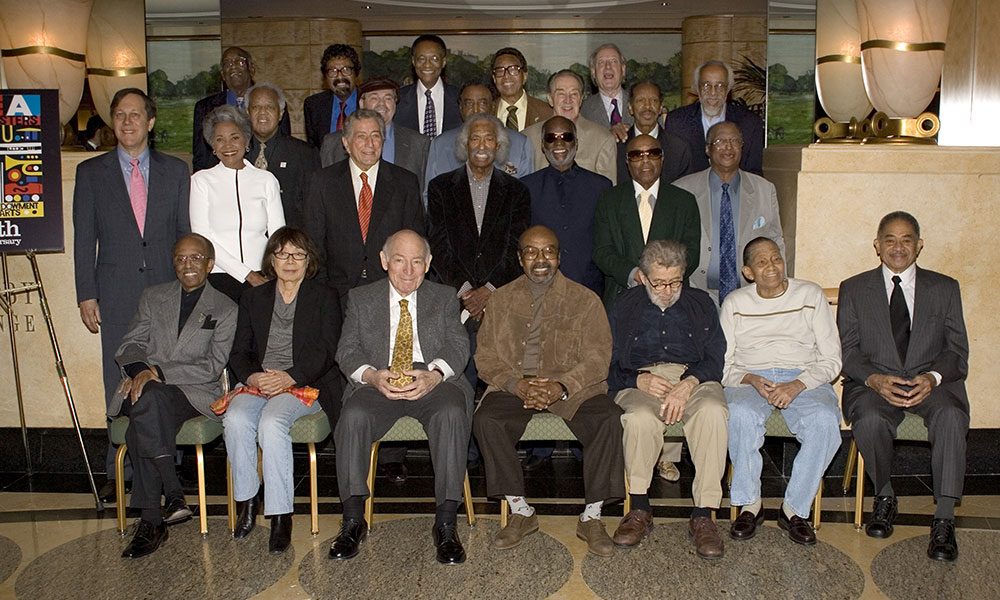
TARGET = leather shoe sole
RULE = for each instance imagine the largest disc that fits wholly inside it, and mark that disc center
(745, 526)
(177, 513)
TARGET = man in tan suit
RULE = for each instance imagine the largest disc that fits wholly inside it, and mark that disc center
(515, 108)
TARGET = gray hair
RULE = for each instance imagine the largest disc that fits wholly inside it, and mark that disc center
(363, 113)
(663, 253)
(389, 241)
(593, 55)
(226, 114)
(282, 101)
(503, 139)
(712, 63)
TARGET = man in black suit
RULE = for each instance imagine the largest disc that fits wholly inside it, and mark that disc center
(129, 207)
(645, 101)
(237, 68)
(328, 110)
(712, 83)
(429, 106)
(905, 349)
(290, 160)
(402, 146)
(476, 214)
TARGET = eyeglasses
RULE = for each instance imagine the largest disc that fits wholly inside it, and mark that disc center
(731, 142)
(425, 58)
(235, 62)
(511, 70)
(567, 136)
(651, 153)
(334, 71)
(717, 87)
(282, 255)
(196, 259)
(659, 286)
(531, 253)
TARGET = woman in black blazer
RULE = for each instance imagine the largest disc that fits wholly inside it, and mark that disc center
(284, 353)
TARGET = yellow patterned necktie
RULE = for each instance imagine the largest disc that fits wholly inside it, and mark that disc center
(402, 353)
(261, 162)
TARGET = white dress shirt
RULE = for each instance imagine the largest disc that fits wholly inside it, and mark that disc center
(607, 104)
(654, 191)
(521, 113)
(356, 179)
(437, 94)
(907, 281)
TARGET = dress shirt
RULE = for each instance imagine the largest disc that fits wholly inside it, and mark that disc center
(480, 191)
(653, 190)
(437, 94)
(908, 281)
(607, 104)
(707, 121)
(715, 187)
(125, 160)
(653, 133)
(351, 103)
(389, 144)
(233, 100)
(418, 356)
(356, 179)
(522, 110)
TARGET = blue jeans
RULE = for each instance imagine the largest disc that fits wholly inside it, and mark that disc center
(814, 418)
(252, 420)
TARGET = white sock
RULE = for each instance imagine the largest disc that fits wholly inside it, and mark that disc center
(592, 511)
(788, 512)
(520, 506)
(754, 508)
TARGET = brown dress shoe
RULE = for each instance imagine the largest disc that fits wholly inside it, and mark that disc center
(518, 527)
(633, 527)
(596, 536)
(745, 526)
(706, 538)
(799, 530)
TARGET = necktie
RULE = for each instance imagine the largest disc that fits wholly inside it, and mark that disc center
(616, 117)
(645, 213)
(137, 195)
(899, 317)
(512, 118)
(430, 117)
(364, 206)
(341, 116)
(261, 160)
(241, 103)
(728, 277)
(402, 352)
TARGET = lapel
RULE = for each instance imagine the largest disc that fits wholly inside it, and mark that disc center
(384, 191)
(153, 202)
(424, 302)
(923, 296)
(629, 212)
(119, 191)
(664, 214)
(748, 209)
(261, 312)
(301, 326)
(465, 214)
(344, 192)
(202, 310)
(380, 314)
(496, 198)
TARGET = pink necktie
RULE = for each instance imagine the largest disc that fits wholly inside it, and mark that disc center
(137, 194)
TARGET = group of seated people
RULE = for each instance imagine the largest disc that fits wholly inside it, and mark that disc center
(622, 309)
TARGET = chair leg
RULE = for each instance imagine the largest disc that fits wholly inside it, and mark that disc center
(503, 512)
(852, 456)
(202, 500)
(729, 483)
(313, 494)
(230, 501)
(470, 512)
(859, 492)
(818, 506)
(628, 496)
(120, 486)
(370, 502)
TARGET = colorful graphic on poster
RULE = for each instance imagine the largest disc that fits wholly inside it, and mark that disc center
(30, 171)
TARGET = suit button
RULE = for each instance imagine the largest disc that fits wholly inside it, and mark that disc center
(141, 269)
(479, 255)
(144, 244)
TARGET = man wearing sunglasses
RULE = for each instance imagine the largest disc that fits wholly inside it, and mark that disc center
(645, 101)
(515, 108)
(327, 111)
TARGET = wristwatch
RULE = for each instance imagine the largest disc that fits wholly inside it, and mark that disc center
(565, 393)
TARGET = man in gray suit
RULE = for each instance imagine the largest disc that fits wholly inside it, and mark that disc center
(129, 207)
(171, 360)
(403, 350)
(610, 105)
(905, 349)
(752, 212)
(401, 146)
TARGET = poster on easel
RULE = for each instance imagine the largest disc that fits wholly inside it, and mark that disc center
(31, 210)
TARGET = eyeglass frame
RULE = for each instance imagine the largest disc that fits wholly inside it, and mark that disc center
(511, 70)
(296, 256)
(347, 70)
(550, 252)
(196, 259)
(638, 155)
(566, 136)
(723, 142)
(673, 285)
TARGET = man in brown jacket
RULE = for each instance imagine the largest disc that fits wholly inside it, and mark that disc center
(545, 344)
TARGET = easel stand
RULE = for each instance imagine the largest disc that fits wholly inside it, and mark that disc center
(6, 304)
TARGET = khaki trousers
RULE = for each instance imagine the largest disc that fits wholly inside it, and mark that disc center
(705, 428)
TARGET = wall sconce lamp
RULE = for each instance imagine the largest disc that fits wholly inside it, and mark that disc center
(116, 51)
(839, 83)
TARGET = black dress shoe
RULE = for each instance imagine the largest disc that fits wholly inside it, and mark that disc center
(799, 530)
(880, 523)
(348, 541)
(281, 533)
(107, 491)
(449, 546)
(533, 462)
(745, 526)
(395, 472)
(943, 545)
(147, 539)
(176, 510)
(247, 518)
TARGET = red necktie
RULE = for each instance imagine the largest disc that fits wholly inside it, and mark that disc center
(340, 117)
(364, 206)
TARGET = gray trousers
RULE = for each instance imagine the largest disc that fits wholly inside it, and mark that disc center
(367, 415)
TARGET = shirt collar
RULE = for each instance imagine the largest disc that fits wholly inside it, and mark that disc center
(907, 278)
(654, 189)
(356, 171)
(395, 296)
(653, 133)
(126, 159)
(438, 85)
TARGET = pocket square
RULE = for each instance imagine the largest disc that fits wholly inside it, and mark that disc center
(759, 222)
(209, 322)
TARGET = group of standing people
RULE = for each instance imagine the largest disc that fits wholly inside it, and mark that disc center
(619, 308)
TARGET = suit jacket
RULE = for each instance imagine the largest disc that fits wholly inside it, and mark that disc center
(193, 361)
(292, 162)
(202, 157)
(461, 252)
(618, 239)
(410, 151)
(593, 109)
(676, 156)
(315, 334)
(441, 157)
(331, 211)
(365, 339)
(538, 110)
(318, 112)
(686, 123)
(938, 339)
(595, 148)
(112, 262)
(406, 109)
(759, 217)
